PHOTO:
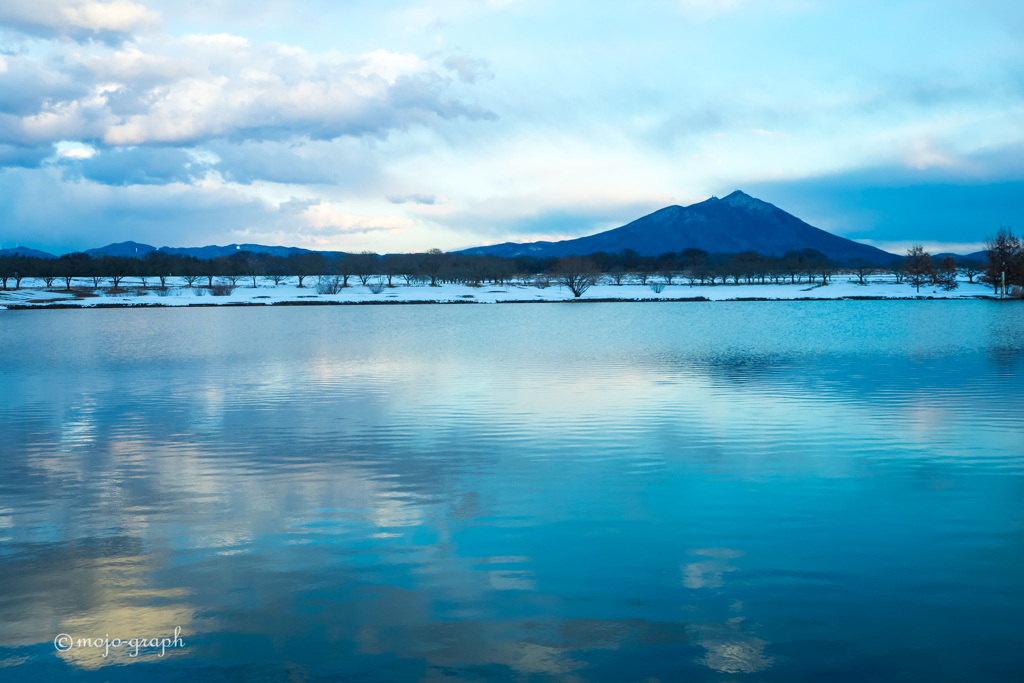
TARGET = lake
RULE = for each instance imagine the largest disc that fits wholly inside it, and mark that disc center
(745, 491)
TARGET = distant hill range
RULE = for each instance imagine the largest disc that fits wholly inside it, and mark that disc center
(208, 252)
(137, 250)
(976, 256)
(25, 251)
(730, 225)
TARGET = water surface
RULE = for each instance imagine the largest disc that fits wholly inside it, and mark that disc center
(746, 491)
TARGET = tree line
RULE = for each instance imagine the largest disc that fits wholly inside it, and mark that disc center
(692, 266)
(433, 267)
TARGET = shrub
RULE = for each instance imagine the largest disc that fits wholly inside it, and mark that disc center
(329, 284)
(657, 287)
(222, 290)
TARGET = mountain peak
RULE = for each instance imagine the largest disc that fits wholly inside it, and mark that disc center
(741, 199)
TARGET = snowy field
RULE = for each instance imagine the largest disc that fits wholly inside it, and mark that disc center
(132, 293)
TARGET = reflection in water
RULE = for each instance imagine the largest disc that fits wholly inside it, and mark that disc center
(729, 650)
(708, 573)
(92, 589)
(801, 491)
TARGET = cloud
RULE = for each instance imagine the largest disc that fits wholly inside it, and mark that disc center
(113, 21)
(23, 156)
(427, 199)
(199, 88)
(544, 218)
(135, 166)
(37, 206)
(27, 84)
(319, 224)
(468, 69)
(953, 204)
(328, 220)
(900, 247)
(344, 162)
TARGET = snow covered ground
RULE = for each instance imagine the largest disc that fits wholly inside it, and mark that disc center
(34, 294)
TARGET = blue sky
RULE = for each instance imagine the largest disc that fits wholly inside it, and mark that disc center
(402, 126)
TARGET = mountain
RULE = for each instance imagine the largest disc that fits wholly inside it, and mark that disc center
(121, 249)
(732, 224)
(212, 251)
(25, 251)
(977, 256)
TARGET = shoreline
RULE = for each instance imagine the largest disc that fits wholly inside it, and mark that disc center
(438, 302)
(82, 294)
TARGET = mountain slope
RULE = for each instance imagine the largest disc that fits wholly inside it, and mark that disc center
(732, 224)
(208, 252)
(25, 251)
(214, 251)
(121, 249)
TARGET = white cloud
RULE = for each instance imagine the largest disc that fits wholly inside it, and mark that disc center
(900, 247)
(326, 218)
(114, 20)
(468, 69)
(220, 86)
(923, 153)
(121, 16)
(74, 150)
(415, 198)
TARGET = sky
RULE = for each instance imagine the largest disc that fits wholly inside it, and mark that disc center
(403, 126)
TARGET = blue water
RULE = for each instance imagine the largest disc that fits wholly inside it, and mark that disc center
(746, 491)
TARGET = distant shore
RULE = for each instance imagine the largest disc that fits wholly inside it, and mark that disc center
(288, 293)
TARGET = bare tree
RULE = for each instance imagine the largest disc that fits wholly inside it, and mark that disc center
(971, 269)
(275, 277)
(918, 267)
(945, 274)
(307, 264)
(862, 269)
(116, 268)
(364, 264)
(70, 266)
(432, 264)
(577, 274)
(328, 284)
(159, 263)
(616, 274)
(1005, 260)
(390, 265)
(254, 268)
(15, 268)
(45, 270)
